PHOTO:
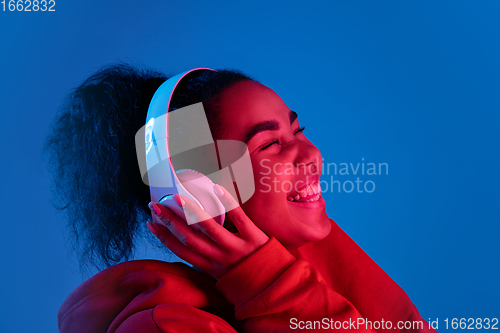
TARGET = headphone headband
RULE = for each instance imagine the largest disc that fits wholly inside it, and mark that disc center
(160, 103)
(199, 160)
(161, 181)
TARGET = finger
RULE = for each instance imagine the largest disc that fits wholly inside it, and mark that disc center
(240, 220)
(180, 203)
(177, 248)
(194, 214)
(207, 224)
(191, 239)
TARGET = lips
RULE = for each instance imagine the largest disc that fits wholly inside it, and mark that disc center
(308, 193)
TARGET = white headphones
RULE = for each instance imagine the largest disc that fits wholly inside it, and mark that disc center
(183, 158)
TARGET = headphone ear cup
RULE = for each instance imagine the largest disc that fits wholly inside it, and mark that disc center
(201, 187)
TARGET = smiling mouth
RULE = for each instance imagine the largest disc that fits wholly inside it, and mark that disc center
(309, 193)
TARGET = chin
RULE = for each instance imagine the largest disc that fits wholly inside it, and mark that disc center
(317, 223)
(312, 232)
(321, 230)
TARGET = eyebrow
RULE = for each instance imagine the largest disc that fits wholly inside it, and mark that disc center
(268, 125)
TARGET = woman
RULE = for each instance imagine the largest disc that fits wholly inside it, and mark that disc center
(278, 264)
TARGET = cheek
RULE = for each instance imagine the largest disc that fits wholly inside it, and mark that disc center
(266, 195)
(267, 215)
(272, 177)
(267, 203)
(261, 168)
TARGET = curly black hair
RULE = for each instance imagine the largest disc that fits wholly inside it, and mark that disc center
(91, 154)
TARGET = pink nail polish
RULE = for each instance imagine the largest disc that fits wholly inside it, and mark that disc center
(178, 199)
(152, 228)
(218, 190)
(155, 209)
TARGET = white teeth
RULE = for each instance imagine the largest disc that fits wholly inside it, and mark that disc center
(315, 198)
(317, 188)
(313, 189)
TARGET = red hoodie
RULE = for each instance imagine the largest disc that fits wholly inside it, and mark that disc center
(331, 285)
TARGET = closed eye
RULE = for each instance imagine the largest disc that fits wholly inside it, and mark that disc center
(270, 144)
(300, 130)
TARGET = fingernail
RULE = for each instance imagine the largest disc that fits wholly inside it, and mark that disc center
(155, 209)
(218, 190)
(178, 199)
(152, 228)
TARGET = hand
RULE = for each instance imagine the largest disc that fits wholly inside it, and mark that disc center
(213, 249)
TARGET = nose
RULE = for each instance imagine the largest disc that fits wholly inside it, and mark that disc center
(307, 157)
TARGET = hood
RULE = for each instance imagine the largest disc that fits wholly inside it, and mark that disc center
(104, 301)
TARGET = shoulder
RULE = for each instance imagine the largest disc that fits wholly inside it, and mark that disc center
(123, 290)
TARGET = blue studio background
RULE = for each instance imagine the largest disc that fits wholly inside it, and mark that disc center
(413, 84)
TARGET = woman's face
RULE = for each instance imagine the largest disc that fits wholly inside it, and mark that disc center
(287, 203)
